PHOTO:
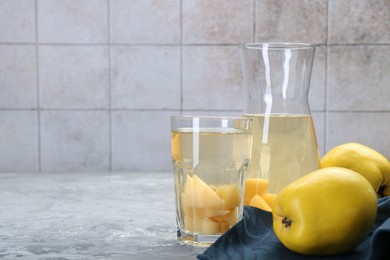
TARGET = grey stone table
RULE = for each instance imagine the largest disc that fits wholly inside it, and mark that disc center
(89, 216)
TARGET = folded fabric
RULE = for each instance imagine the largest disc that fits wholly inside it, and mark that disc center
(253, 238)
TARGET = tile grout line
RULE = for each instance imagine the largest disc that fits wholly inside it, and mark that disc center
(384, 44)
(39, 130)
(178, 110)
(109, 87)
(181, 59)
(326, 78)
(254, 22)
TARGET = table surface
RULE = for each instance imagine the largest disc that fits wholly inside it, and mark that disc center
(89, 216)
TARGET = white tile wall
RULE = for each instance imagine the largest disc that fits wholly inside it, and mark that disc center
(236, 113)
(217, 21)
(141, 141)
(72, 21)
(291, 21)
(74, 77)
(145, 77)
(18, 77)
(212, 78)
(359, 78)
(17, 21)
(359, 21)
(75, 141)
(369, 128)
(19, 141)
(318, 80)
(146, 21)
(90, 85)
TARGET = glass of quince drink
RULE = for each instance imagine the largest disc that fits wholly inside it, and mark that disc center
(210, 156)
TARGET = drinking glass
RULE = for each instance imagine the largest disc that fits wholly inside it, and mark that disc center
(210, 156)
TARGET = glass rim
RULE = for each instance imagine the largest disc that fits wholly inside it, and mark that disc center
(277, 46)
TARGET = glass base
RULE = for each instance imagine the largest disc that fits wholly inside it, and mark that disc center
(199, 240)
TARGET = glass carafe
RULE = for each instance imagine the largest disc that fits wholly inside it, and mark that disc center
(277, 77)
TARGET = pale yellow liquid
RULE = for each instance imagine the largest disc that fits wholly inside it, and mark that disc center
(218, 157)
(284, 148)
(215, 155)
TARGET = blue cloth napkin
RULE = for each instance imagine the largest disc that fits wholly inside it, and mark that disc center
(253, 238)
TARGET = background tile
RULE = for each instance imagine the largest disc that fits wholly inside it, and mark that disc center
(18, 79)
(75, 141)
(146, 77)
(17, 21)
(217, 21)
(359, 21)
(237, 113)
(367, 128)
(291, 21)
(359, 78)
(318, 80)
(147, 21)
(19, 141)
(141, 141)
(72, 21)
(212, 78)
(74, 76)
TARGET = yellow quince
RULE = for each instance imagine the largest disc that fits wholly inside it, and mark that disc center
(362, 159)
(326, 212)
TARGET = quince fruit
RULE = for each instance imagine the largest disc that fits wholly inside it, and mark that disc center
(362, 159)
(256, 194)
(259, 202)
(254, 186)
(326, 212)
